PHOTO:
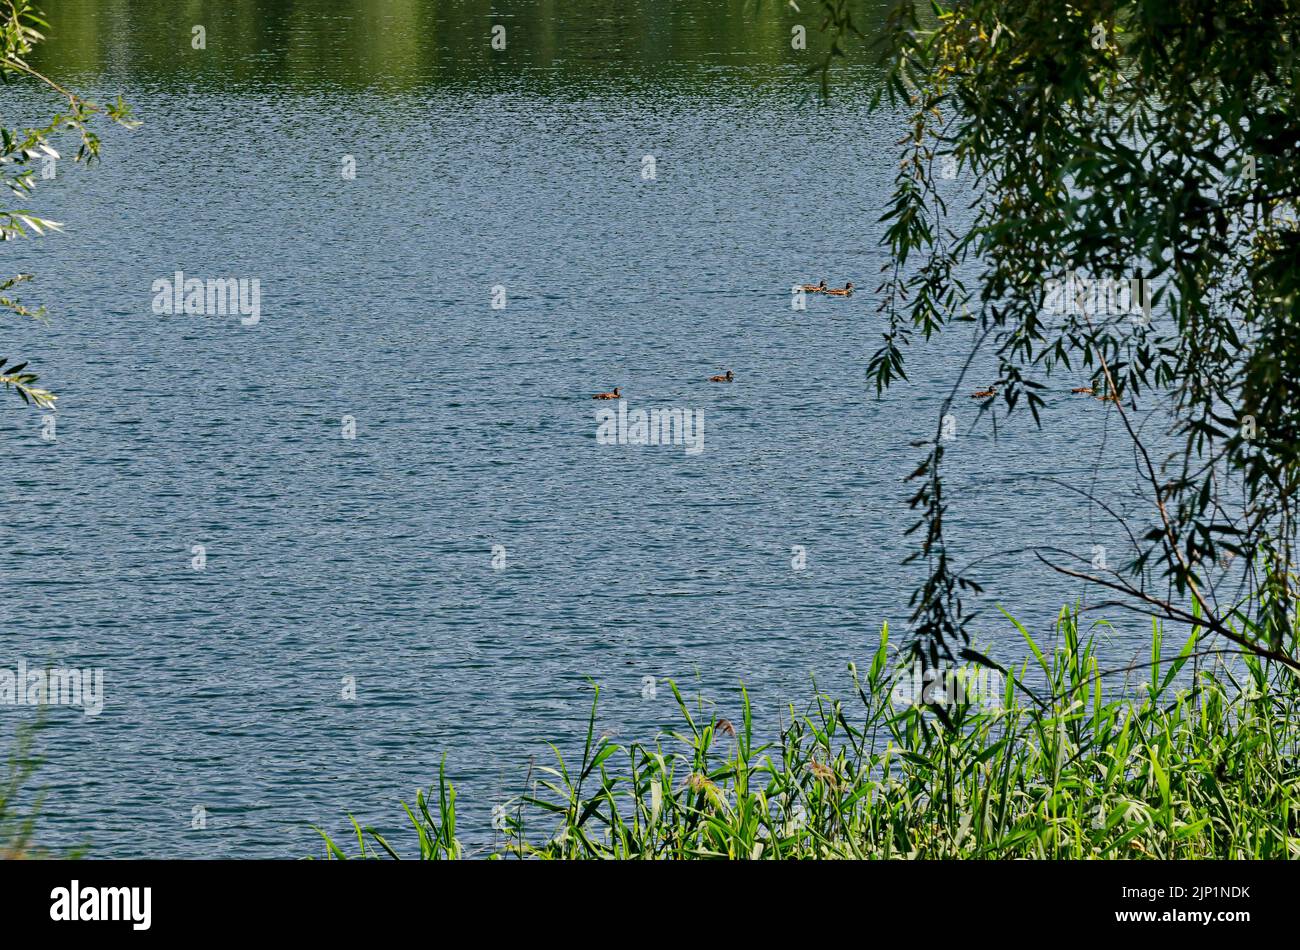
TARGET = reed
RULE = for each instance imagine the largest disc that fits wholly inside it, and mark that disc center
(21, 805)
(1198, 760)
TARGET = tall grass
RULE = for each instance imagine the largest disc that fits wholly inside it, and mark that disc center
(20, 804)
(17, 825)
(1194, 763)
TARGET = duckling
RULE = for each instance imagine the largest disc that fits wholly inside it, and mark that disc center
(815, 288)
(725, 378)
(614, 395)
(1082, 390)
(845, 291)
(984, 394)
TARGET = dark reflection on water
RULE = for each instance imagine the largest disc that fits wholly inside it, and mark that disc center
(418, 43)
(371, 558)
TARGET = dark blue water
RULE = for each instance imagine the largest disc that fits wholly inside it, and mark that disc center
(371, 558)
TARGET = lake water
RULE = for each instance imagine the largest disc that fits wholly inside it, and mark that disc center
(332, 560)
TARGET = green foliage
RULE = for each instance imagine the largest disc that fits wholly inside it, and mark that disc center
(1192, 766)
(840, 27)
(21, 149)
(437, 836)
(1138, 138)
(17, 826)
(18, 812)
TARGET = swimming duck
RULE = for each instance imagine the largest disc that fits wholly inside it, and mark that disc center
(725, 378)
(614, 395)
(845, 291)
(815, 288)
(1082, 390)
(984, 394)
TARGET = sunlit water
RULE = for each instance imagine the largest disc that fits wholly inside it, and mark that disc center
(331, 560)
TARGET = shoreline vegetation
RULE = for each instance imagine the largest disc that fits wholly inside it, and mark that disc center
(1162, 151)
(1194, 763)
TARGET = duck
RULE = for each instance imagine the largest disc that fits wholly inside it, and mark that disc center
(984, 394)
(845, 291)
(1082, 390)
(614, 395)
(726, 377)
(815, 288)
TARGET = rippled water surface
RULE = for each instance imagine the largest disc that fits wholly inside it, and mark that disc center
(371, 558)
